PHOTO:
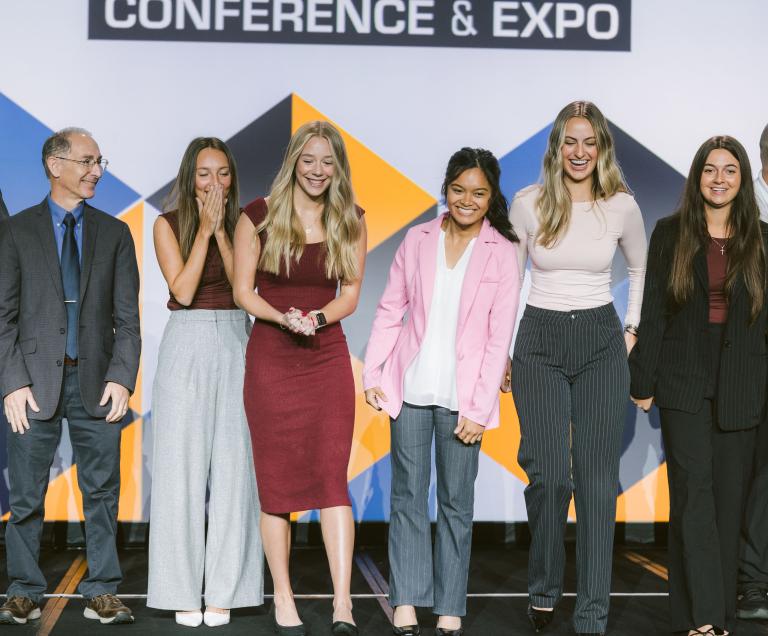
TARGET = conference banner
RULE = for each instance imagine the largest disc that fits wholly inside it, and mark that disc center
(590, 25)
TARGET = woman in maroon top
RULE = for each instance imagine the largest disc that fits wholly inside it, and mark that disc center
(300, 245)
(201, 439)
(701, 357)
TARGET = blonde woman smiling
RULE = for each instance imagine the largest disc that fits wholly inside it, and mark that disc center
(305, 248)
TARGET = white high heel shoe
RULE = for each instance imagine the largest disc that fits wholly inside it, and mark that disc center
(189, 619)
(216, 619)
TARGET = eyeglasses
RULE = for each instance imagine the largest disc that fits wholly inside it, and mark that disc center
(88, 163)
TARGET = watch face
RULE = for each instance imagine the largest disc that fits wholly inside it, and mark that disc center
(320, 318)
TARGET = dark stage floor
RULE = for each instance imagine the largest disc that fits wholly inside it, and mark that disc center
(496, 586)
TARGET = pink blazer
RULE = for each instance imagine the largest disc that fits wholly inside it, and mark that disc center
(487, 313)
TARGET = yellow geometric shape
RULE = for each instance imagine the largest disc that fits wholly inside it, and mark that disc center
(389, 198)
(64, 502)
(131, 472)
(370, 441)
(134, 218)
(501, 444)
(647, 500)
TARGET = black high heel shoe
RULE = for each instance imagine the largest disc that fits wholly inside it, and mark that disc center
(342, 628)
(407, 630)
(539, 619)
(282, 630)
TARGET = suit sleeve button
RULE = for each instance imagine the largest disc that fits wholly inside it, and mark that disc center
(59, 363)
(62, 331)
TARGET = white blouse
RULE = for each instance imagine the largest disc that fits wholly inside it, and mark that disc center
(431, 378)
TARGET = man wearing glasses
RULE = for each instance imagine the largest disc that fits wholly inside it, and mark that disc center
(69, 345)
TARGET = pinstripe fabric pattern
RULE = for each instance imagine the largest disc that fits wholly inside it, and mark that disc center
(412, 565)
(571, 383)
(669, 361)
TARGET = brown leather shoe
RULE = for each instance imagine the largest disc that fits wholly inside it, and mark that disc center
(18, 610)
(108, 610)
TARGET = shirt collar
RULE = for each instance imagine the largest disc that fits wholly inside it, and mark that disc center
(58, 213)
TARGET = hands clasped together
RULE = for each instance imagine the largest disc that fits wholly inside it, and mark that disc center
(299, 322)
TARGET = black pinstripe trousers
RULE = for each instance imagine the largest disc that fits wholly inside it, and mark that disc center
(419, 575)
(570, 382)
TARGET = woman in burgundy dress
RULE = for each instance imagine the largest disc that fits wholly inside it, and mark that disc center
(301, 244)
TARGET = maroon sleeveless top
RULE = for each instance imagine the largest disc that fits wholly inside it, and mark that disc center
(717, 268)
(214, 290)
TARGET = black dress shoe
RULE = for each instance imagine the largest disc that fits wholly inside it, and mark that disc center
(282, 630)
(340, 628)
(539, 619)
(590, 633)
(439, 631)
(752, 605)
(407, 630)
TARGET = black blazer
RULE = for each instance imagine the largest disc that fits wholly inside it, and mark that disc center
(3, 210)
(33, 320)
(669, 361)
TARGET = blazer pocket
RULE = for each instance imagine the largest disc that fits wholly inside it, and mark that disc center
(28, 346)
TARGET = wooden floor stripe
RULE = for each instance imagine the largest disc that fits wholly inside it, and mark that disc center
(644, 562)
(375, 581)
(55, 606)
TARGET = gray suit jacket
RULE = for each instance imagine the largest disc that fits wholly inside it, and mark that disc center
(3, 210)
(33, 320)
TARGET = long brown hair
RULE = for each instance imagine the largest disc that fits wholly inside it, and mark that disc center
(746, 254)
(554, 201)
(285, 236)
(182, 195)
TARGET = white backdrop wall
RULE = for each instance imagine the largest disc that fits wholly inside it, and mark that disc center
(695, 68)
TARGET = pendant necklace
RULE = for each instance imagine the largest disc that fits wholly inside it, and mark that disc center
(720, 245)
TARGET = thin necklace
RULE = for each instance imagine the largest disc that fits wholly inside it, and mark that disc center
(720, 245)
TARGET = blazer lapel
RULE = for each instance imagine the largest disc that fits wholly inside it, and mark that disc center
(428, 262)
(700, 268)
(481, 252)
(90, 230)
(50, 250)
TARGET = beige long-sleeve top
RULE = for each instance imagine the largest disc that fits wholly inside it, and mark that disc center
(575, 273)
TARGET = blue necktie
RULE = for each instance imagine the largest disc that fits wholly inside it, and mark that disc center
(70, 277)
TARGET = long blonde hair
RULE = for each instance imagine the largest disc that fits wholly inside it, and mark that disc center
(554, 201)
(285, 235)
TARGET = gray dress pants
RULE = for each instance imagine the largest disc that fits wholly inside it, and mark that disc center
(419, 575)
(96, 449)
(201, 441)
(570, 381)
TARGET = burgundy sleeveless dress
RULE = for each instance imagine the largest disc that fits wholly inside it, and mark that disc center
(299, 391)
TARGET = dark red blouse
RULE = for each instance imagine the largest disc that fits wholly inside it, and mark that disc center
(214, 290)
(717, 267)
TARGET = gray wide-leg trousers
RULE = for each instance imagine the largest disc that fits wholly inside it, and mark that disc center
(201, 440)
